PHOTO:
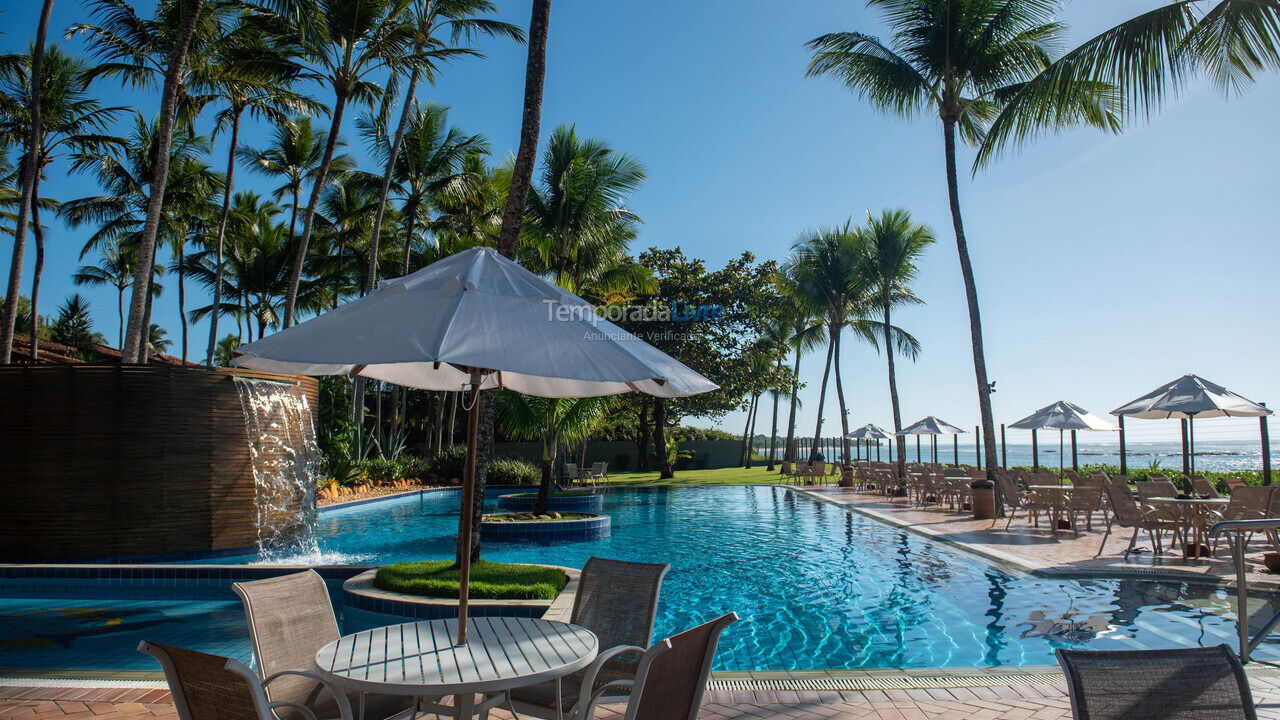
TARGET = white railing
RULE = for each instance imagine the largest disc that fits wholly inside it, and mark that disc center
(1241, 530)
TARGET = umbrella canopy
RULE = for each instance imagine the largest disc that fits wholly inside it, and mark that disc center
(476, 309)
(475, 320)
(931, 426)
(1063, 416)
(869, 432)
(1190, 396)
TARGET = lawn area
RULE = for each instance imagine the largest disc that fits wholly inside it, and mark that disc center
(716, 476)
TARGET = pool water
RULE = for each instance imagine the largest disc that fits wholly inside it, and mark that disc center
(816, 586)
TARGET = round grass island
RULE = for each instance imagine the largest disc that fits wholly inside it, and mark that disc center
(489, 580)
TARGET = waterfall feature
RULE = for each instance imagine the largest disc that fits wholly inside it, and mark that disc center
(285, 457)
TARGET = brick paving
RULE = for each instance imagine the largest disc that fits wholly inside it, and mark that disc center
(999, 702)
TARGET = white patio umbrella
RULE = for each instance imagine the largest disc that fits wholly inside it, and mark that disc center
(475, 320)
(1060, 416)
(931, 425)
(1188, 398)
(870, 432)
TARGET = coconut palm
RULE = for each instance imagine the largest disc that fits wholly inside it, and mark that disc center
(780, 334)
(975, 63)
(472, 218)
(141, 52)
(577, 227)
(893, 244)
(807, 333)
(345, 224)
(530, 127)
(249, 74)
(115, 270)
(551, 421)
(26, 192)
(73, 326)
(345, 44)
(759, 370)
(71, 121)
(431, 20)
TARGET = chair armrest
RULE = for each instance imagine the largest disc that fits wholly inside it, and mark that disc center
(593, 670)
(311, 715)
(340, 697)
(588, 711)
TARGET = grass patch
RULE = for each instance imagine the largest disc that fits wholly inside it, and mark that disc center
(489, 580)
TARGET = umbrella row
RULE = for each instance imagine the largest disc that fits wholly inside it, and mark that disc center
(1186, 399)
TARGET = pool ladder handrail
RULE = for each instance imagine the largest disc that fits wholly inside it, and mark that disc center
(1242, 528)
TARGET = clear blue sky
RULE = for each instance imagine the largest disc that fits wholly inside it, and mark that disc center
(1106, 265)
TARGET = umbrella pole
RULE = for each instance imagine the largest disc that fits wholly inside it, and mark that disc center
(1124, 468)
(1075, 463)
(1266, 450)
(1035, 452)
(917, 448)
(955, 450)
(1264, 432)
(468, 507)
(933, 449)
(1004, 450)
(1186, 451)
(977, 447)
(1060, 453)
(1191, 430)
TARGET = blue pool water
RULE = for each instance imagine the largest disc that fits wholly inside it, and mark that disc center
(816, 586)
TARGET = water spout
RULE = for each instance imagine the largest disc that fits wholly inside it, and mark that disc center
(286, 460)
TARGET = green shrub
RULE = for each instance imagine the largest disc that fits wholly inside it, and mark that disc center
(489, 580)
(380, 471)
(512, 471)
(412, 466)
(449, 463)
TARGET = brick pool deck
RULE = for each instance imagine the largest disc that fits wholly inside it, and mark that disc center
(1006, 696)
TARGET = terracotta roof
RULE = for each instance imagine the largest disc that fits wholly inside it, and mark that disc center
(53, 353)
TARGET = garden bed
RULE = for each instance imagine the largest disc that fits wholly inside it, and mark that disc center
(489, 580)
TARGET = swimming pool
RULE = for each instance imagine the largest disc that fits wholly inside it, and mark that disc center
(817, 587)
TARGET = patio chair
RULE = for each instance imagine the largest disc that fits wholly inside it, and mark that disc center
(1156, 488)
(618, 601)
(1085, 499)
(1232, 483)
(290, 618)
(1251, 502)
(571, 473)
(672, 676)
(211, 687)
(1127, 513)
(787, 473)
(1175, 684)
(1201, 486)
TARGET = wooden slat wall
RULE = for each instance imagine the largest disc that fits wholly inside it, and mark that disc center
(100, 461)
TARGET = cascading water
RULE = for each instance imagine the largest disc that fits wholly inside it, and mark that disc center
(286, 460)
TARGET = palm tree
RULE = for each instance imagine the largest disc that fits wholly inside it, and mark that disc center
(346, 43)
(346, 221)
(136, 50)
(27, 191)
(294, 155)
(73, 326)
(473, 218)
(157, 340)
(530, 127)
(975, 63)
(552, 421)
(431, 19)
(758, 370)
(806, 334)
(778, 335)
(250, 75)
(577, 227)
(114, 270)
(71, 120)
(893, 243)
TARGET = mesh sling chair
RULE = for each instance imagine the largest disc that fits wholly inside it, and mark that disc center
(290, 618)
(211, 687)
(618, 601)
(671, 678)
(1178, 684)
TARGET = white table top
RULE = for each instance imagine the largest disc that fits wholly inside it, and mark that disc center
(420, 658)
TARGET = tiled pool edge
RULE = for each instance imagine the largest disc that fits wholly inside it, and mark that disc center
(1022, 565)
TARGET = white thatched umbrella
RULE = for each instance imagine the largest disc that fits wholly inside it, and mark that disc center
(870, 432)
(931, 425)
(475, 320)
(1060, 416)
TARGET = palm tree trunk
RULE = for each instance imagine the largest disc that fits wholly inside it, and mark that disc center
(453, 416)
(222, 234)
(300, 253)
(38, 232)
(134, 340)
(773, 431)
(182, 296)
(746, 430)
(975, 318)
(751, 435)
(660, 438)
(844, 409)
(822, 400)
(549, 447)
(371, 272)
(642, 442)
(788, 450)
(893, 395)
(28, 198)
(530, 125)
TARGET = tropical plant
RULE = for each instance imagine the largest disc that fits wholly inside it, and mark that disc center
(807, 333)
(116, 270)
(779, 335)
(26, 191)
(577, 227)
(71, 120)
(893, 243)
(139, 51)
(157, 340)
(225, 352)
(550, 421)
(73, 326)
(345, 45)
(981, 66)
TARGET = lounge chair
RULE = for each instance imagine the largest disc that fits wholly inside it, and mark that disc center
(1232, 483)
(1125, 512)
(1176, 684)
(290, 618)
(672, 676)
(618, 601)
(212, 687)
(1201, 486)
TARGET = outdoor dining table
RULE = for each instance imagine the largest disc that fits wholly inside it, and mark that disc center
(1061, 494)
(1192, 511)
(420, 659)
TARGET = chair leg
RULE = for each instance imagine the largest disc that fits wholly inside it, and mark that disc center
(1103, 544)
